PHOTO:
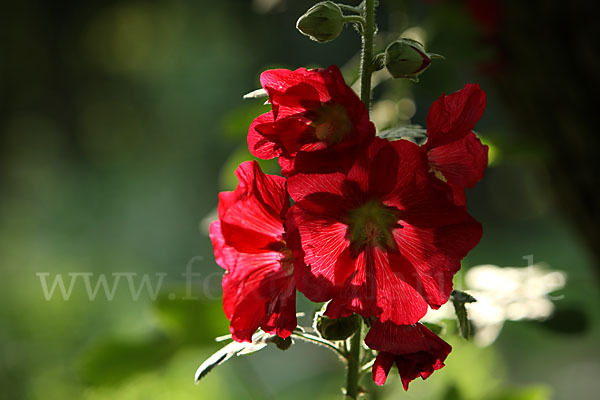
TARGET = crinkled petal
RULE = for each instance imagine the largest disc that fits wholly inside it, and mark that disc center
(294, 89)
(313, 111)
(453, 116)
(434, 255)
(381, 367)
(462, 162)
(251, 216)
(375, 289)
(248, 241)
(323, 249)
(415, 349)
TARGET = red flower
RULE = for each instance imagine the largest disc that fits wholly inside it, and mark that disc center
(455, 154)
(415, 349)
(315, 122)
(379, 240)
(249, 242)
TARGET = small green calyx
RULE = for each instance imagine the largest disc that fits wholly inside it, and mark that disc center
(322, 22)
(372, 224)
(406, 58)
(282, 344)
(336, 329)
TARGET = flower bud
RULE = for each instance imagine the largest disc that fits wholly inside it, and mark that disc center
(406, 58)
(322, 22)
(336, 329)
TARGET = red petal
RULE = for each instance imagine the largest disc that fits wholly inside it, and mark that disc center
(295, 88)
(381, 368)
(453, 116)
(286, 136)
(251, 217)
(435, 255)
(303, 186)
(224, 255)
(258, 144)
(258, 291)
(258, 288)
(322, 246)
(462, 162)
(416, 350)
(376, 290)
(297, 98)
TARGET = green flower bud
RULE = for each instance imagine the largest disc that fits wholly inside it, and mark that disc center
(406, 58)
(336, 329)
(322, 22)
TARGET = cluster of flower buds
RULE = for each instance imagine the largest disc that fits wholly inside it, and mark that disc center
(403, 58)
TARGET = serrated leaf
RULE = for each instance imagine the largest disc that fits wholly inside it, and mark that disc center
(414, 133)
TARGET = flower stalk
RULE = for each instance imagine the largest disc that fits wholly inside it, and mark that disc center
(353, 359)
(366, 70)
(366, 60)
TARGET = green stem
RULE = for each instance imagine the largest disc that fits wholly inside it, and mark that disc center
(366, 60)
(353, 358)
(345, 7)
(354, 19)
(315, 339)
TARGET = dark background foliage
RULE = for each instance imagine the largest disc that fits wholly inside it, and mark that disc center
(121, 120)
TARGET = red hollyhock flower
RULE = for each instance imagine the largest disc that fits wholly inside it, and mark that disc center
(249, 242)
(316, 121)
(415, 349)
(455, 154)
(379, 240)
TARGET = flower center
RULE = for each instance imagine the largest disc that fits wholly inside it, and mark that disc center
(286, 260)
(331, 123)
(371, 225)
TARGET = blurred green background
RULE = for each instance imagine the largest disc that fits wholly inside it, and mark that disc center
(120, 121)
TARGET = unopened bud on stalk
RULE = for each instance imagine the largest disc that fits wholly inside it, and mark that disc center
(406, 58)
(322, 22)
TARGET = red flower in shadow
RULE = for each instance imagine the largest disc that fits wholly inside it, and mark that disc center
(414, 349)
(249, 241)
(317, 122)
(455, 154)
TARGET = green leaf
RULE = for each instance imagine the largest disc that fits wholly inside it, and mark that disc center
(414, 133)
(459, 299)
(462, 297)
(435, 328)
(259, 341)
(464, 325)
